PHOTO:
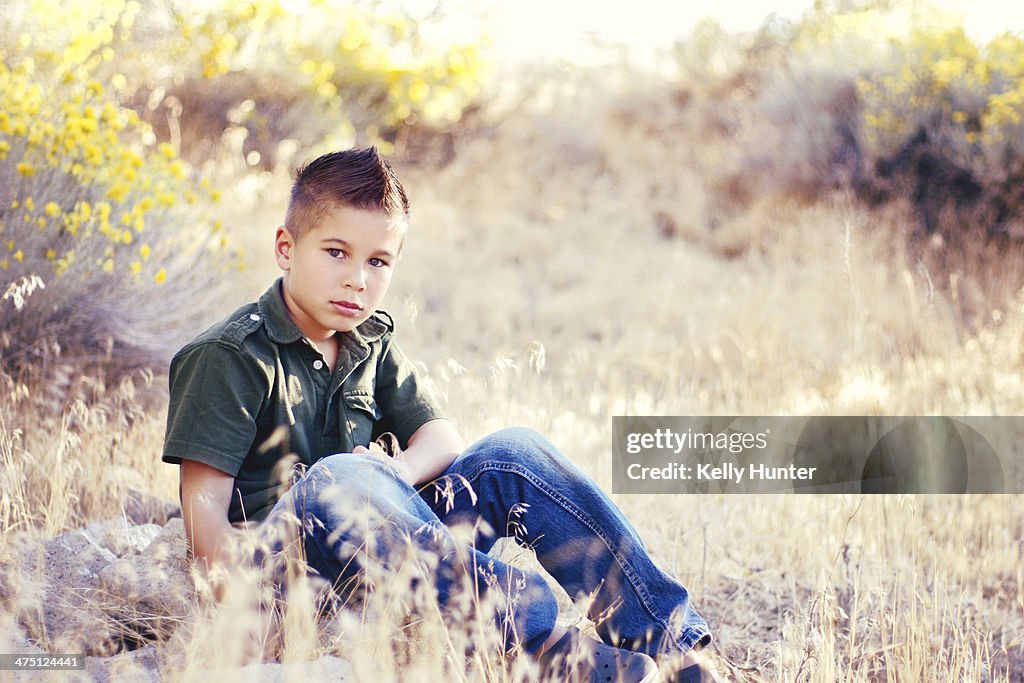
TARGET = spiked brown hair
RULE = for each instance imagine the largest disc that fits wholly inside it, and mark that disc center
(354, 178)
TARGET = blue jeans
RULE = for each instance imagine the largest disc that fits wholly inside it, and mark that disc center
(356, 512)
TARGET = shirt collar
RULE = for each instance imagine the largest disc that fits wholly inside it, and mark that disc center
(282, 329)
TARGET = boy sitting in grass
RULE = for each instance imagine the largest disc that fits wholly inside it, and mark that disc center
(275, 411)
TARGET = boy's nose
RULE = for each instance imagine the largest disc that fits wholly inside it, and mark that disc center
(355, 279)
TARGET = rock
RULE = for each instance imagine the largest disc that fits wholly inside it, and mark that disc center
(98, 531)
(151, 591)
(51, 588)
(143, 508)
(130, 539)
(142, 665)
(21, 562)
(75, 556)
(323, 669)
(13, 639)
(97, 589)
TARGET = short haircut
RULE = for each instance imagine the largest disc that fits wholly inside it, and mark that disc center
(354, 178)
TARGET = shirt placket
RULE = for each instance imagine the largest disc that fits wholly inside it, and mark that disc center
(348, 360)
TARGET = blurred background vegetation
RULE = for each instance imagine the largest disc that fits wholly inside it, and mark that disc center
(117, 117)
(822, 215)
(123, 122)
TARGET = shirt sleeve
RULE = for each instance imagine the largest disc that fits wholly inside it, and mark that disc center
(216, 395)
(404, 398)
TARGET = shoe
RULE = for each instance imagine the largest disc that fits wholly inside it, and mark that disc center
(584, 660)
(696, 673)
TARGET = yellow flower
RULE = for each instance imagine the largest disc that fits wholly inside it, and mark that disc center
(19, 256)
(108, 266)
(26, 169)
(144, 252)
(136, 267)
(160, 277)
(52, 209)
(118, 192)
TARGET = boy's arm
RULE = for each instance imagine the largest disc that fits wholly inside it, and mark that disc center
(430, 451)
(205, 498)
(432, 448)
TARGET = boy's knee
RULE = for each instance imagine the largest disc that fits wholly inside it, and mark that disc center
(520, 443)
(348, 466)
(520, 436)
(521, 446)
(349, 476)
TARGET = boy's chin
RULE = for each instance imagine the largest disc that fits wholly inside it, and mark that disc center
(349, 324)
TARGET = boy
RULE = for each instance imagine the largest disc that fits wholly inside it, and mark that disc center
(297, 386)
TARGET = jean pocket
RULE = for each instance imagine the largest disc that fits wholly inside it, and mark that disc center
(362, 413)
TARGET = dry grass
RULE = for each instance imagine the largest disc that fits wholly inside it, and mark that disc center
(567, 268)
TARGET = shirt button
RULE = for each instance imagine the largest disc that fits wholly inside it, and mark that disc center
(253, 317)
(318, 364)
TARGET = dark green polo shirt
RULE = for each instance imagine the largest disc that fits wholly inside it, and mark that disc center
(253, 398)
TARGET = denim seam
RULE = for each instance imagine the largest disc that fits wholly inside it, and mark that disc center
(638, 585)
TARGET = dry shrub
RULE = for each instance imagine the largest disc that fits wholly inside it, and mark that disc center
(104, 246)
(849, 102)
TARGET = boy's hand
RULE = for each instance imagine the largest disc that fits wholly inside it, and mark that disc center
(431, 449)
(397, 461)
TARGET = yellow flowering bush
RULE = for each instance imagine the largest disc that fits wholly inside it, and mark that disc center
(102, 239)
(944, 78)
(323, 69)
(102, 220)
(372, 54)
(892, 100)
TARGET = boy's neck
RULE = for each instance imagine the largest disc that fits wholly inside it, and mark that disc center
(328, 348)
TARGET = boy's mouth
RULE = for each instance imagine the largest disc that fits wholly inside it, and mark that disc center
(347, 307)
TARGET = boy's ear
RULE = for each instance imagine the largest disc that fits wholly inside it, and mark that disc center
(284, 244)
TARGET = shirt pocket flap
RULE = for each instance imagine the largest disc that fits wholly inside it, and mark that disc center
(363, 403)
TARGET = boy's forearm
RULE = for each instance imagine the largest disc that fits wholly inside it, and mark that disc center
(206, 494)
(425, 465)
(433, 447)
(212, 546)
(215, 545)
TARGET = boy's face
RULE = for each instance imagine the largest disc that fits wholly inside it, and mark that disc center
(337, 272)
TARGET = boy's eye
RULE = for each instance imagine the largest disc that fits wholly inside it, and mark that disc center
(377, 262)
(334, 253)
